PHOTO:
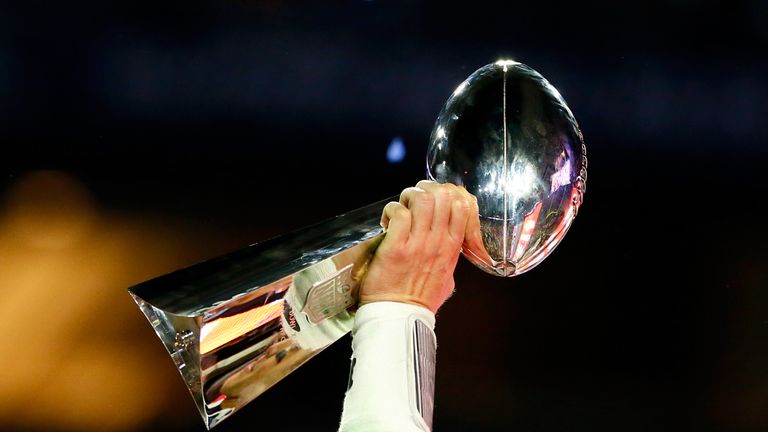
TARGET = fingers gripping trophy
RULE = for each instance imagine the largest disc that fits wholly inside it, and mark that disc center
(506, 155)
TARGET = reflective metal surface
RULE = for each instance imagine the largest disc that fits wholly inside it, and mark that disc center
(508, 136)
(236, 325)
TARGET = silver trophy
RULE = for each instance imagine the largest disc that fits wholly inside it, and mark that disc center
(236, 325)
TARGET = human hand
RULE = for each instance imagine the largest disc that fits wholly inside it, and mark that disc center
(424, 233)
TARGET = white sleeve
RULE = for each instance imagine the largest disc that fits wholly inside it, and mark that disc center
(393, 369)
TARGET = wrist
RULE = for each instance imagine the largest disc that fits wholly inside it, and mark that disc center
(392, 310)
(396, 298)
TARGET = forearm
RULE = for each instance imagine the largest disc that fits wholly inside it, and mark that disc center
(392, 377)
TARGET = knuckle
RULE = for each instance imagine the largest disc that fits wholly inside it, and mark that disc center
(463, 195)
(463, 203)
(395, 210)
(425, 184)
(405, 193)
(443, 193)
(424, 198)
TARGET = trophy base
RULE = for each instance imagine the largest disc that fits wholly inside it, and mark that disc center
(236, 325)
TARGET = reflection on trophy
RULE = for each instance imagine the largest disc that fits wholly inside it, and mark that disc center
(236, 325)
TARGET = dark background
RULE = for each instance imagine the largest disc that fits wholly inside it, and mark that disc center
(229, 122)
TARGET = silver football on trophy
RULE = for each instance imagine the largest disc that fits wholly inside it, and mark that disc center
(508, 137)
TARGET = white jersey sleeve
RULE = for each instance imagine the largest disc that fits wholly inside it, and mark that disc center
(392, 375)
